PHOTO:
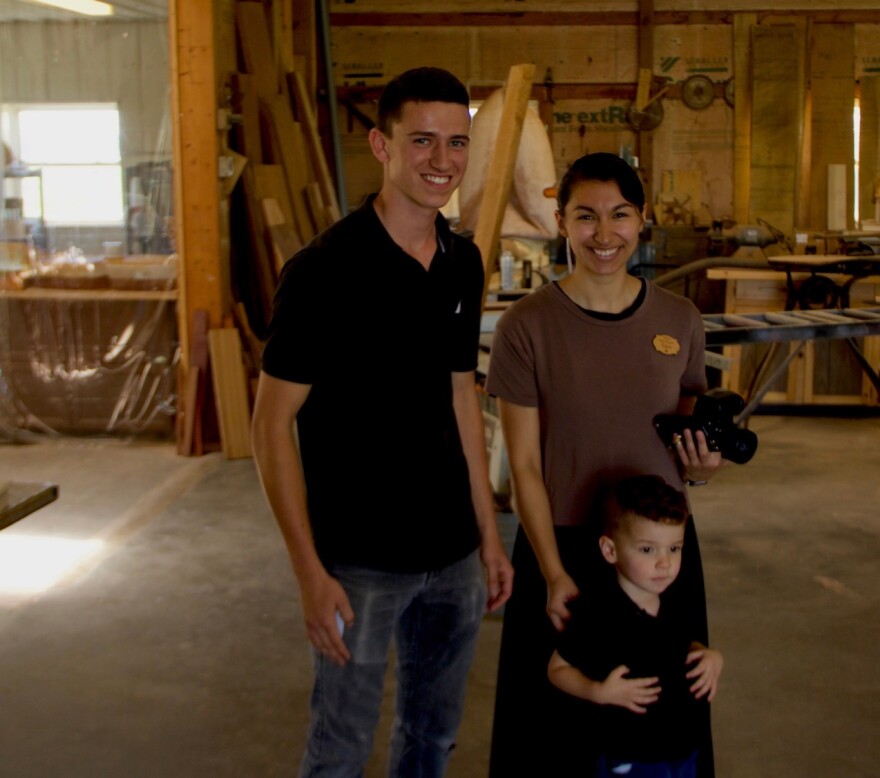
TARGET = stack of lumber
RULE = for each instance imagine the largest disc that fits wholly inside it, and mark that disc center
(281, 195)
(286, 194)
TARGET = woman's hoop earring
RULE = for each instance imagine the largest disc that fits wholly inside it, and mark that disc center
(568, 256)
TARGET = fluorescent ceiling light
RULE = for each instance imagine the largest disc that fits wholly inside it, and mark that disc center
(87, 7)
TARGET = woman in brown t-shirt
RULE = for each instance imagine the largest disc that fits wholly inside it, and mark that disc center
(580, 369)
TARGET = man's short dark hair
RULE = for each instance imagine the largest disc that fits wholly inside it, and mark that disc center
(648, 497)
(419, 85)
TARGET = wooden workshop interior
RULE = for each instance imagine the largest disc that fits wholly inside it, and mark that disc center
(164, 158)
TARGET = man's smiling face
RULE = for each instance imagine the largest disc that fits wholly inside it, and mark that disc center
(427, 152)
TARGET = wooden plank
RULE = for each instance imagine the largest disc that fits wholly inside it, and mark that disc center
(256, 48)
(282, 37)
(272, 213)
(230, 392)
(188, 412)
(316, 206)
(313, 143)
(494, 200)
(271, 184)
(285, 244)
(643, 88)
(289, 146)
(260, 259)
(203, 409)
(869, 148)
(742, 114)
(246, 105)
(254, 346)
(238, 162)
(304, 28)
(283, 239)
(836, 213)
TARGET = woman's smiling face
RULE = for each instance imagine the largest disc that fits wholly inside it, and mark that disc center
(601, 225)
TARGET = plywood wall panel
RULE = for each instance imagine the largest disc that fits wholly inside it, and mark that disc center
(700, 141)
(585, 126)
(681, 51)
(484, 55)
(596, 6)
(832, 84)
(777, 122)
(374, 55)
(21, 74)
(576, 54)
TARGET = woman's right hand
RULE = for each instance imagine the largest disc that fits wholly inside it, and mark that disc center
(560, 591)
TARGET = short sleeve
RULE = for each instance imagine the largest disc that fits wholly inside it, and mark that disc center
(694, 380)
(292, 353)
(466, 320)
(512, 375)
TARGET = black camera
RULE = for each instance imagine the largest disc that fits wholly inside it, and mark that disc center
(714, 414)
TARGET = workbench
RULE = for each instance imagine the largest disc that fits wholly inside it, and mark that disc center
(21, 498)
(822, 367)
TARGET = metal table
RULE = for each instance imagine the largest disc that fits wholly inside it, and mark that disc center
(727, 329)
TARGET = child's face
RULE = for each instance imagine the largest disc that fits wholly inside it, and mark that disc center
(647, 555)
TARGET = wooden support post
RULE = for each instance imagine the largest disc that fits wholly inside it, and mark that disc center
(517, 91)
(204, 277)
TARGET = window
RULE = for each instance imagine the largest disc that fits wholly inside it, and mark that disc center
(75, 147)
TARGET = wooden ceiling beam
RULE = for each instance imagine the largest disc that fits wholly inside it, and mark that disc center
(583, 18)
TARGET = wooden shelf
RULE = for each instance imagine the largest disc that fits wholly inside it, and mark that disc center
(73, 295)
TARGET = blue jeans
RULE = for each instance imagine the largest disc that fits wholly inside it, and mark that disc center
(680, 768)
(434, 619)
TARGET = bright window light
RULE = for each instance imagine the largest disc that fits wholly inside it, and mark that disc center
(74, 148)
(857, 133)
(30, 564)
(83, 194)
(57, 136)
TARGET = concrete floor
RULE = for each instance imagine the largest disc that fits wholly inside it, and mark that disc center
(178, 649)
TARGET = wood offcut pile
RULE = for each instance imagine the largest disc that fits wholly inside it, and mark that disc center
(285, 194)
(281, 195)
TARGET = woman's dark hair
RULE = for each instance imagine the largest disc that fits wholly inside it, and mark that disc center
(419, 85)
(602, 166)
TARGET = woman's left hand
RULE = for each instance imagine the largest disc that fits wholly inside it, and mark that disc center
(697, 462)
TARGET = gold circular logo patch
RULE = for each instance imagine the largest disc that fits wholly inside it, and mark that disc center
(666, 344)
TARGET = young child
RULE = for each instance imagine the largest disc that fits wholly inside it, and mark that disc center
(628, 649)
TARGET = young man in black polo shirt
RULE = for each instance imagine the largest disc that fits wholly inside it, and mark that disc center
(385, 505)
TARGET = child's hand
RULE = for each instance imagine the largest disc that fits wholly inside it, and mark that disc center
(706, 672)
(630, 693)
